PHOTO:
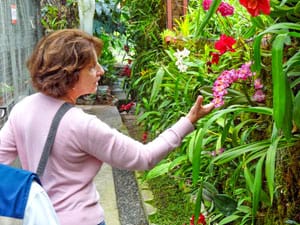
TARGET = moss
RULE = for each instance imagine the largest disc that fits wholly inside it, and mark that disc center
(287, 201)
(172, 204)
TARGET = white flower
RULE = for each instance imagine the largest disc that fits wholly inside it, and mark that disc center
(179, 62)
(182, 68)
(180, 55)
(185, 53)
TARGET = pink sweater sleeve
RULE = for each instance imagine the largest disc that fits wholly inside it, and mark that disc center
(8, 150)
(121, 151)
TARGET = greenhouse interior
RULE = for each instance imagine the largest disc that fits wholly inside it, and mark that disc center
(160, 60)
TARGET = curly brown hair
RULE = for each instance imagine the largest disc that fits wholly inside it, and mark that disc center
(57, 59)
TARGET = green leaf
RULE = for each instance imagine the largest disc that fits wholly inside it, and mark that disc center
(238, 128)
(177, 161)
(292, 222)
(198, 203)
(225, 132)
(288, 117)
(257, 186)
(278, 28)
(157, 83)
(158, 170)
(238, 151)
(199, 144)
(191, 147)
(296, 81)
(257, 53)
(250, 32)
(279, 81)
(208, 191)
(213, 8)
(187, 90)
(258, 22)
(225, 204)
(281, 28)
(197, 156)
(147, 114)
(270, 165)
(229, 219)
(293, 62)
(296, 110)
(249, 179)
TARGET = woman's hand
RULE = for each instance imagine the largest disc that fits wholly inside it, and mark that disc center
(198, 110)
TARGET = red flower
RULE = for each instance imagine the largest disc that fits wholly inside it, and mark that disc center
(225, 9)
(215, 58)
(126, 48)
(126, 71)
(192, 220)
(201, 220)
(255, 7)
(206, 4)
(144, 137)
(225, 44)
(126, 107)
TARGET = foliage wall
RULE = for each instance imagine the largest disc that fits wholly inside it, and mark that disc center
(239, 165)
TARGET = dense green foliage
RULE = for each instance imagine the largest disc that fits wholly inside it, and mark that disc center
(234, 153)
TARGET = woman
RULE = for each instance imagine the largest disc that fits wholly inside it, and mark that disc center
(63, 66)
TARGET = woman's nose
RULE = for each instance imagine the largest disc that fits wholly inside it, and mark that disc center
(100, 70)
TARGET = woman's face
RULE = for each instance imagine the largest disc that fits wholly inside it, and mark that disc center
(89, 77)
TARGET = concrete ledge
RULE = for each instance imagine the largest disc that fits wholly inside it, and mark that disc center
(146, 197)
(106, 188)
(131, 210)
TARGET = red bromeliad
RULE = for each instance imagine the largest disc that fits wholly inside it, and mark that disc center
(255, 7)
(201, 220)
(225, 44)
(126, 107)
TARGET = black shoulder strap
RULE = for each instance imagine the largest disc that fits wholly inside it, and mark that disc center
(51, 136)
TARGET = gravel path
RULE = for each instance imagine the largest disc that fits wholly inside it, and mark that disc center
(129, 203)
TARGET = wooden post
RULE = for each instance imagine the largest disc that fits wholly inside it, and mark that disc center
(185, 5)
(175, 10)
(169, 15)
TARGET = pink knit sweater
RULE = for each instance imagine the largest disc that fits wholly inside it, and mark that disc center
(83, 143)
